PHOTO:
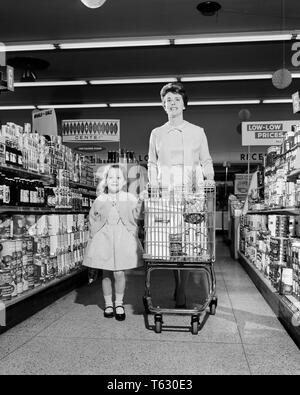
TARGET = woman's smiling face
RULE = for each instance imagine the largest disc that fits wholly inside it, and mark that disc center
(173, 104)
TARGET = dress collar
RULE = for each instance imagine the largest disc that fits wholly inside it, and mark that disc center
(180, 127)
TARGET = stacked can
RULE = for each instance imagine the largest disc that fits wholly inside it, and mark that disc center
(294, 263)
(8, 269)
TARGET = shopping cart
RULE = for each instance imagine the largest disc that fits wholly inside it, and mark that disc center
(180, 235)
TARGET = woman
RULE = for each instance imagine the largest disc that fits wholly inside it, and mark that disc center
(178, 156)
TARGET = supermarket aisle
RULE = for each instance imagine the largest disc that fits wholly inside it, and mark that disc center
(72, 337)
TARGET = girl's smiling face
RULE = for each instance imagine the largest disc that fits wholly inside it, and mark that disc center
(115, 180)
(173, 104)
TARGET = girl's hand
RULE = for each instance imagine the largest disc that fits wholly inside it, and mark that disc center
(143, 194)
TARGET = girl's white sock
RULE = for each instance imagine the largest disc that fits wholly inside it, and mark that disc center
(119, 299)
(119, 302)
(108, 300)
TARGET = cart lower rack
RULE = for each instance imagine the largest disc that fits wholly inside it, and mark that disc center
(180, 235)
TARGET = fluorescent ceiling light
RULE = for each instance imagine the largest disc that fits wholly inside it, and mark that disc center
(296, 75)
(222, 102)
(133, 81)
(17, 108)
(96, 105)
(29, 47)
(227, 77)
(140, 104)
(232, 38)
(114, 44)
(274, 101)
(48, 83)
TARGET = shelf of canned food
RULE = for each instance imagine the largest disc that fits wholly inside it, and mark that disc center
(41, 287)
(286, 307)
(283, 211)
(26, 173)
(37, 249)
(74, 184)
(42, 210)
(294, 175)
(50, 179)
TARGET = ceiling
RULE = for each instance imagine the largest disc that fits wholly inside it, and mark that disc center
(57, 20)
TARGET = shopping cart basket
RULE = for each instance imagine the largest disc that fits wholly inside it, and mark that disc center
(180, 235)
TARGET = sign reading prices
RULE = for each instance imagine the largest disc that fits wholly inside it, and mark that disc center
(265, 132)
(90, 130)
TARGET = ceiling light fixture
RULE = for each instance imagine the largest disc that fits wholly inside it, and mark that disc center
(222, 102)
(140, 104)
(93, 3)
(209, 8)
(115, 43)
(17, 108)
(232, 38)
(133, 81)
(226, 77)
(66, 106)
(28, 47)
(277, 101)
(48, 83)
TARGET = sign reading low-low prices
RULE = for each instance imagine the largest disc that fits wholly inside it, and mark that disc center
(265, 132)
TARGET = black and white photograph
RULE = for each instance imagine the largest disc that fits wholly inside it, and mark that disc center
(149, 190)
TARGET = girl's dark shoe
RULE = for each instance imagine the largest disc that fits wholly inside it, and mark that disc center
(122, 316)
(109, 312)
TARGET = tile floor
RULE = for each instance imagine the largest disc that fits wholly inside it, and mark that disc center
(72, 337)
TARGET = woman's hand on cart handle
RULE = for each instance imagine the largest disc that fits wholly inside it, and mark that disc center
(210, 177)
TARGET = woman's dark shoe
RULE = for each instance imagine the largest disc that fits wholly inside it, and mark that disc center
(120, 316)
(109, 312)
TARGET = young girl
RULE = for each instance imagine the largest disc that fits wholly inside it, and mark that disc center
(114, 245)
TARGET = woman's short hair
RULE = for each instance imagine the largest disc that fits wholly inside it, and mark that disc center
(102, 186)
(174, 87)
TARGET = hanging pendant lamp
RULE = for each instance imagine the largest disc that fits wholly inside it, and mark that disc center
(282, 78)
(93, 3)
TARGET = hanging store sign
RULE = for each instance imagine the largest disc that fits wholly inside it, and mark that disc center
(91, 130)
(265, 133)
(44, 122)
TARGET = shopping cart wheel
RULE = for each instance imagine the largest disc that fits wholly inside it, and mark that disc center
(145, 303)
(158, 323)
(213, 306)
(195, 325)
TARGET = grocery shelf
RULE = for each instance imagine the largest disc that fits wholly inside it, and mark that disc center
(286, 307)
(18, 171)
(22, 307)
(40, 288)
(294, 175)
(79, 185)
(41, 210)
(288, 210)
